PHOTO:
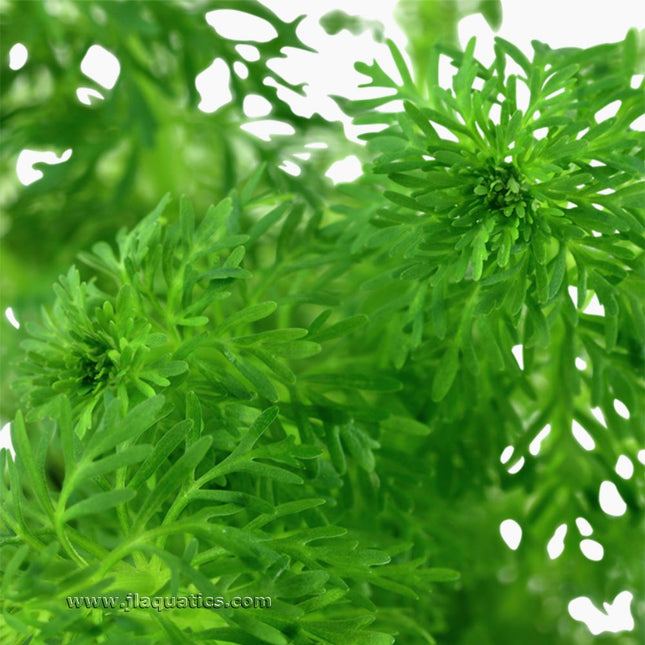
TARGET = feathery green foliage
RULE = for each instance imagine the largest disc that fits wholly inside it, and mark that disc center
(303, 393)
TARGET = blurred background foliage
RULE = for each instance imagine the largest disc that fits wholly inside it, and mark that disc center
(147, 138)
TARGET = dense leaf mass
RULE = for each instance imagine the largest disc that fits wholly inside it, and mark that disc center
(304, 392)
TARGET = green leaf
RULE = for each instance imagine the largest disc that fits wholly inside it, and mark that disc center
(267, 221)
(339, 329)
(247, 315)
(276, 473)
(188, 347)
(424, 124)
(137, 421)
(236, 256)
(194, 414)
(272, 336)
(296, 350)
(492, 12)
(164, 447)
(147, 227)
(109, 464)
(559, 78)
(387, 144)
(514, 53)
(370, 638)
(438, 308)
(224, 273)
(67, 434)
(186, 220)
(263, 632)
(27, 463)
(303, 584)
(15, 487)
(401, 200)
(336, 451)
(541, 283)
(440, 575)
(447, 122)
(277, 367)
(98, 503)
(632, 196)
(12, 567)
(559, 269)
(194, 321)
(479, 253)
(504, 253)
(253, 503)
(400, 63)
(446, 372)
(214, 219)
(374, 382)
(296, 507)
(171, 368)
(255, 431)
(174, 634)
(359, 445)
(174, 478)
(396, 424)
(255, 377)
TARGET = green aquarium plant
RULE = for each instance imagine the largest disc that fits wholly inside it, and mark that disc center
(297, 398)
